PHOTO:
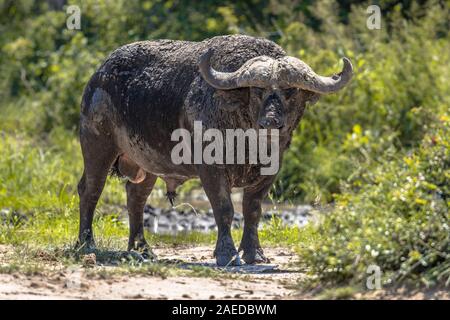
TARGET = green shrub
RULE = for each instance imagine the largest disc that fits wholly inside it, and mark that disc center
(395, 215)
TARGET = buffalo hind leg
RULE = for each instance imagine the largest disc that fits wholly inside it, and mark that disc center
(137, 194)
(251, 205)
(97, 164)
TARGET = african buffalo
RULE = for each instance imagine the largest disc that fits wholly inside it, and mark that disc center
(146, 90)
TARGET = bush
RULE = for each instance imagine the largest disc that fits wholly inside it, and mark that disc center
(395, 215)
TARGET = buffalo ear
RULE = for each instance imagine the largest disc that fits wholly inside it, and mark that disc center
(231, 100)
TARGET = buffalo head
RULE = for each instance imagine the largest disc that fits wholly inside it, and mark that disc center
(275, 85)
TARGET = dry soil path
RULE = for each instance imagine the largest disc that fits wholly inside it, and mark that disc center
(273, 281)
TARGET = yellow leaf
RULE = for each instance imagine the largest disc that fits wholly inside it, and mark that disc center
(444, 118)
(421, 201)
(357, 129)
(54, 68)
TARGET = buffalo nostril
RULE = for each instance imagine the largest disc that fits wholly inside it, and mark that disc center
(278, 123)
(270, 123)
(263, 123)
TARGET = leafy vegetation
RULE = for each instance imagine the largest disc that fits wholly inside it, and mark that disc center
(378, 151)
(395, 216)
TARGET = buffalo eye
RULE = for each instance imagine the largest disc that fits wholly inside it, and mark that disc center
(259, 92)
(289, 93)
(231, 100)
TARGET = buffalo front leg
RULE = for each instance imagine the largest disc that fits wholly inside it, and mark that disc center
(218, 191)
(137, 194)
(251, 205)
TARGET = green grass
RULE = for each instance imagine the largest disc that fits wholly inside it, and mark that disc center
(59, 229)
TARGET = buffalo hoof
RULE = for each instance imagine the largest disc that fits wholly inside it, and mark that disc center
(144, 251)
(85, 247)
(140, 257)
(227, 260)
(148, 255)
(226, 253)
(131, 256)
(255, 256)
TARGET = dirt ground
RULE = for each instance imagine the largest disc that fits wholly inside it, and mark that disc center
(277, 280)
(272, 281)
